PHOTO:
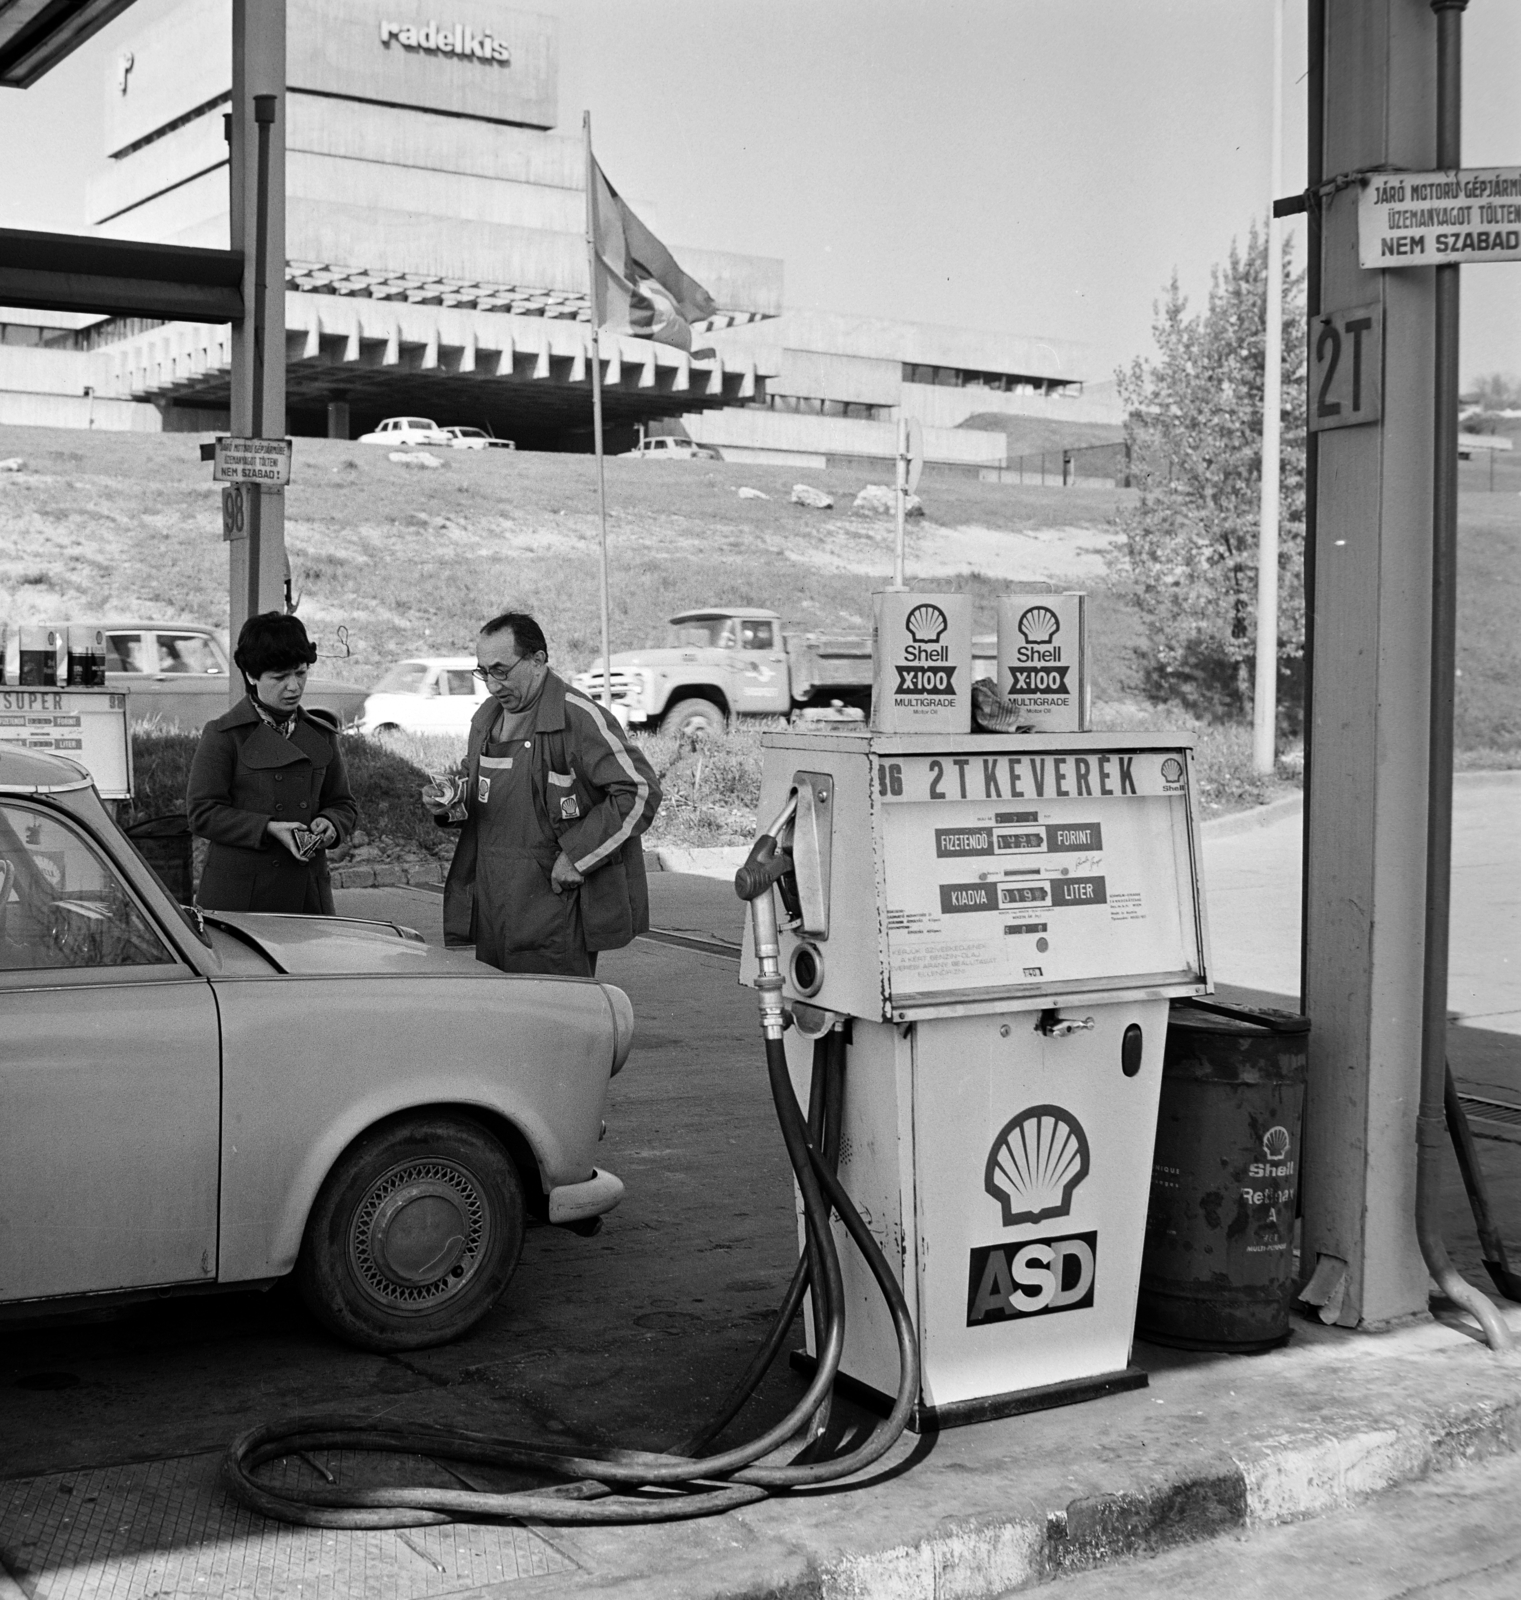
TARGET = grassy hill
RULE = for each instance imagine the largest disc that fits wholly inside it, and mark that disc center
(411, 561)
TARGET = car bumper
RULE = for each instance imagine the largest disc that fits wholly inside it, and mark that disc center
(575, 1202)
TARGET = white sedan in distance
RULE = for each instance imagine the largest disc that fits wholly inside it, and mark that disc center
(476, 439)
(406, 430)
(668, 449)
(428, 694)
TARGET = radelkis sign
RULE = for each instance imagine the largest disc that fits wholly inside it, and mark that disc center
(1043, 659)
(448, 39)
(1431, 219)
(923, 663)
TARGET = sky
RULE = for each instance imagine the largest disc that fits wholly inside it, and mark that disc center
(1028, 166)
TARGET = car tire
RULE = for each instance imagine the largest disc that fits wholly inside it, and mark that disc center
(694, 720)
(414, 1235)
(387, 727)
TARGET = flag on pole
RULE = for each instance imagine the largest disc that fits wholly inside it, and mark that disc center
(637, 286)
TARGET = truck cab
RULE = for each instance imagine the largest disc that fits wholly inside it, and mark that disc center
(716, 663)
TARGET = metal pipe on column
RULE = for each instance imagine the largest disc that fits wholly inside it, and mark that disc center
(1431, 1127)
(1315, 175)
(258, 570)
(264, 118)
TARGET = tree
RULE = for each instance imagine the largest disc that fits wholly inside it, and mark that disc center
(1496, 392)
(1193, 431)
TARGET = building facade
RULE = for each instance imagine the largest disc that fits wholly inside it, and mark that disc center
(435, 236)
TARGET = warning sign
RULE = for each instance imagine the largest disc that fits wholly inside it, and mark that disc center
(1432, 219)
(264, 461)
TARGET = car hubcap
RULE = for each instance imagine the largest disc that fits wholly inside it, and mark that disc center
(419, 1235)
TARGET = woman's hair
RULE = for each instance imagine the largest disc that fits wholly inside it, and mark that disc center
(527, 635)
(272, 642)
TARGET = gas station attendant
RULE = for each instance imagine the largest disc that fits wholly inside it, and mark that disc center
(549, 869)
(268, 787)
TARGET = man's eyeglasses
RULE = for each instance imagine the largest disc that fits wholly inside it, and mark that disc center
(496, 672)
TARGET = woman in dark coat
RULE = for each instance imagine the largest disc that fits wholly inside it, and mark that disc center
(268, 787)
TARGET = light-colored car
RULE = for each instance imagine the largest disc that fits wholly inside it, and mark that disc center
(396, 431)
(476, 439)
(178, 672)
(195, 1101)
(664, 449)
(428, 694)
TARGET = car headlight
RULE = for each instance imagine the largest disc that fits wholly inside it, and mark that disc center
(623, 1026)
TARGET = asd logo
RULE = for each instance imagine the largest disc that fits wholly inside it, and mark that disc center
(1033, 1279)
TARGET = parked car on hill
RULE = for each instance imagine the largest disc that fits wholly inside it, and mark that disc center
(428, 694)
(405, 430)
(476, 439)
(165, 1130)
(664, 449)
(178, 672)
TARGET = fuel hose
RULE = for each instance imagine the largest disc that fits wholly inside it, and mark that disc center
(613, 1486)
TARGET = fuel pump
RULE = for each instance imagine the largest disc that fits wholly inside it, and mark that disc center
(989, 928)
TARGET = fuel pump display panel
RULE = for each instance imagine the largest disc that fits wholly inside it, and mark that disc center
(1035, 872)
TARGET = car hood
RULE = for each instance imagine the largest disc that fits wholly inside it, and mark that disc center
(309, 946)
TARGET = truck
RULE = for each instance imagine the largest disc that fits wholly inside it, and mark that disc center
(723, 662)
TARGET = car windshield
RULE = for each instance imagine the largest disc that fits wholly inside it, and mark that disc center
(187, 652)
(406, 677)
(61, 904)
(695, 632)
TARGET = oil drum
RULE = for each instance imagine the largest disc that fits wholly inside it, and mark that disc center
(1217, 1271)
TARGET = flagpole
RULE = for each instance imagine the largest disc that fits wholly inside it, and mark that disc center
(596, 368)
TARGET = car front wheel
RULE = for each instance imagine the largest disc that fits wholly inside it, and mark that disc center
(414, 1235)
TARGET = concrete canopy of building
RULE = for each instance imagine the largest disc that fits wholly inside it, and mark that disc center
(36, 35)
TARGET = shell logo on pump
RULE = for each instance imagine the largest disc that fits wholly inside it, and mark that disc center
(1036, 1162)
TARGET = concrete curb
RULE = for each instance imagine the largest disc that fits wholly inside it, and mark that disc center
(704, 861)
(1318, 1427)
(1235, 822)
(386, 875)
(1293, 804)
(984, 1559)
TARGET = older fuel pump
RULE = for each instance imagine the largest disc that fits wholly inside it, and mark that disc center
(994, 925)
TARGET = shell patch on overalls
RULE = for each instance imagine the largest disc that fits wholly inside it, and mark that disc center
(562, 785)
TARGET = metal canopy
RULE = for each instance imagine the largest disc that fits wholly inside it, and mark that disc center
(119, 277)
(35, 35)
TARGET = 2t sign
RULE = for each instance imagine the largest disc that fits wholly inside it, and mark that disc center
(1346, 367)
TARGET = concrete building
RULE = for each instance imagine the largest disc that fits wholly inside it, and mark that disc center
(437, 266)
(842, 382)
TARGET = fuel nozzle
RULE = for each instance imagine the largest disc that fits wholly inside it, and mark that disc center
(767, 866)
(764, 866)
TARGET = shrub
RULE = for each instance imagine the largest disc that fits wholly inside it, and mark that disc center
(384, 781)
(712, 788)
